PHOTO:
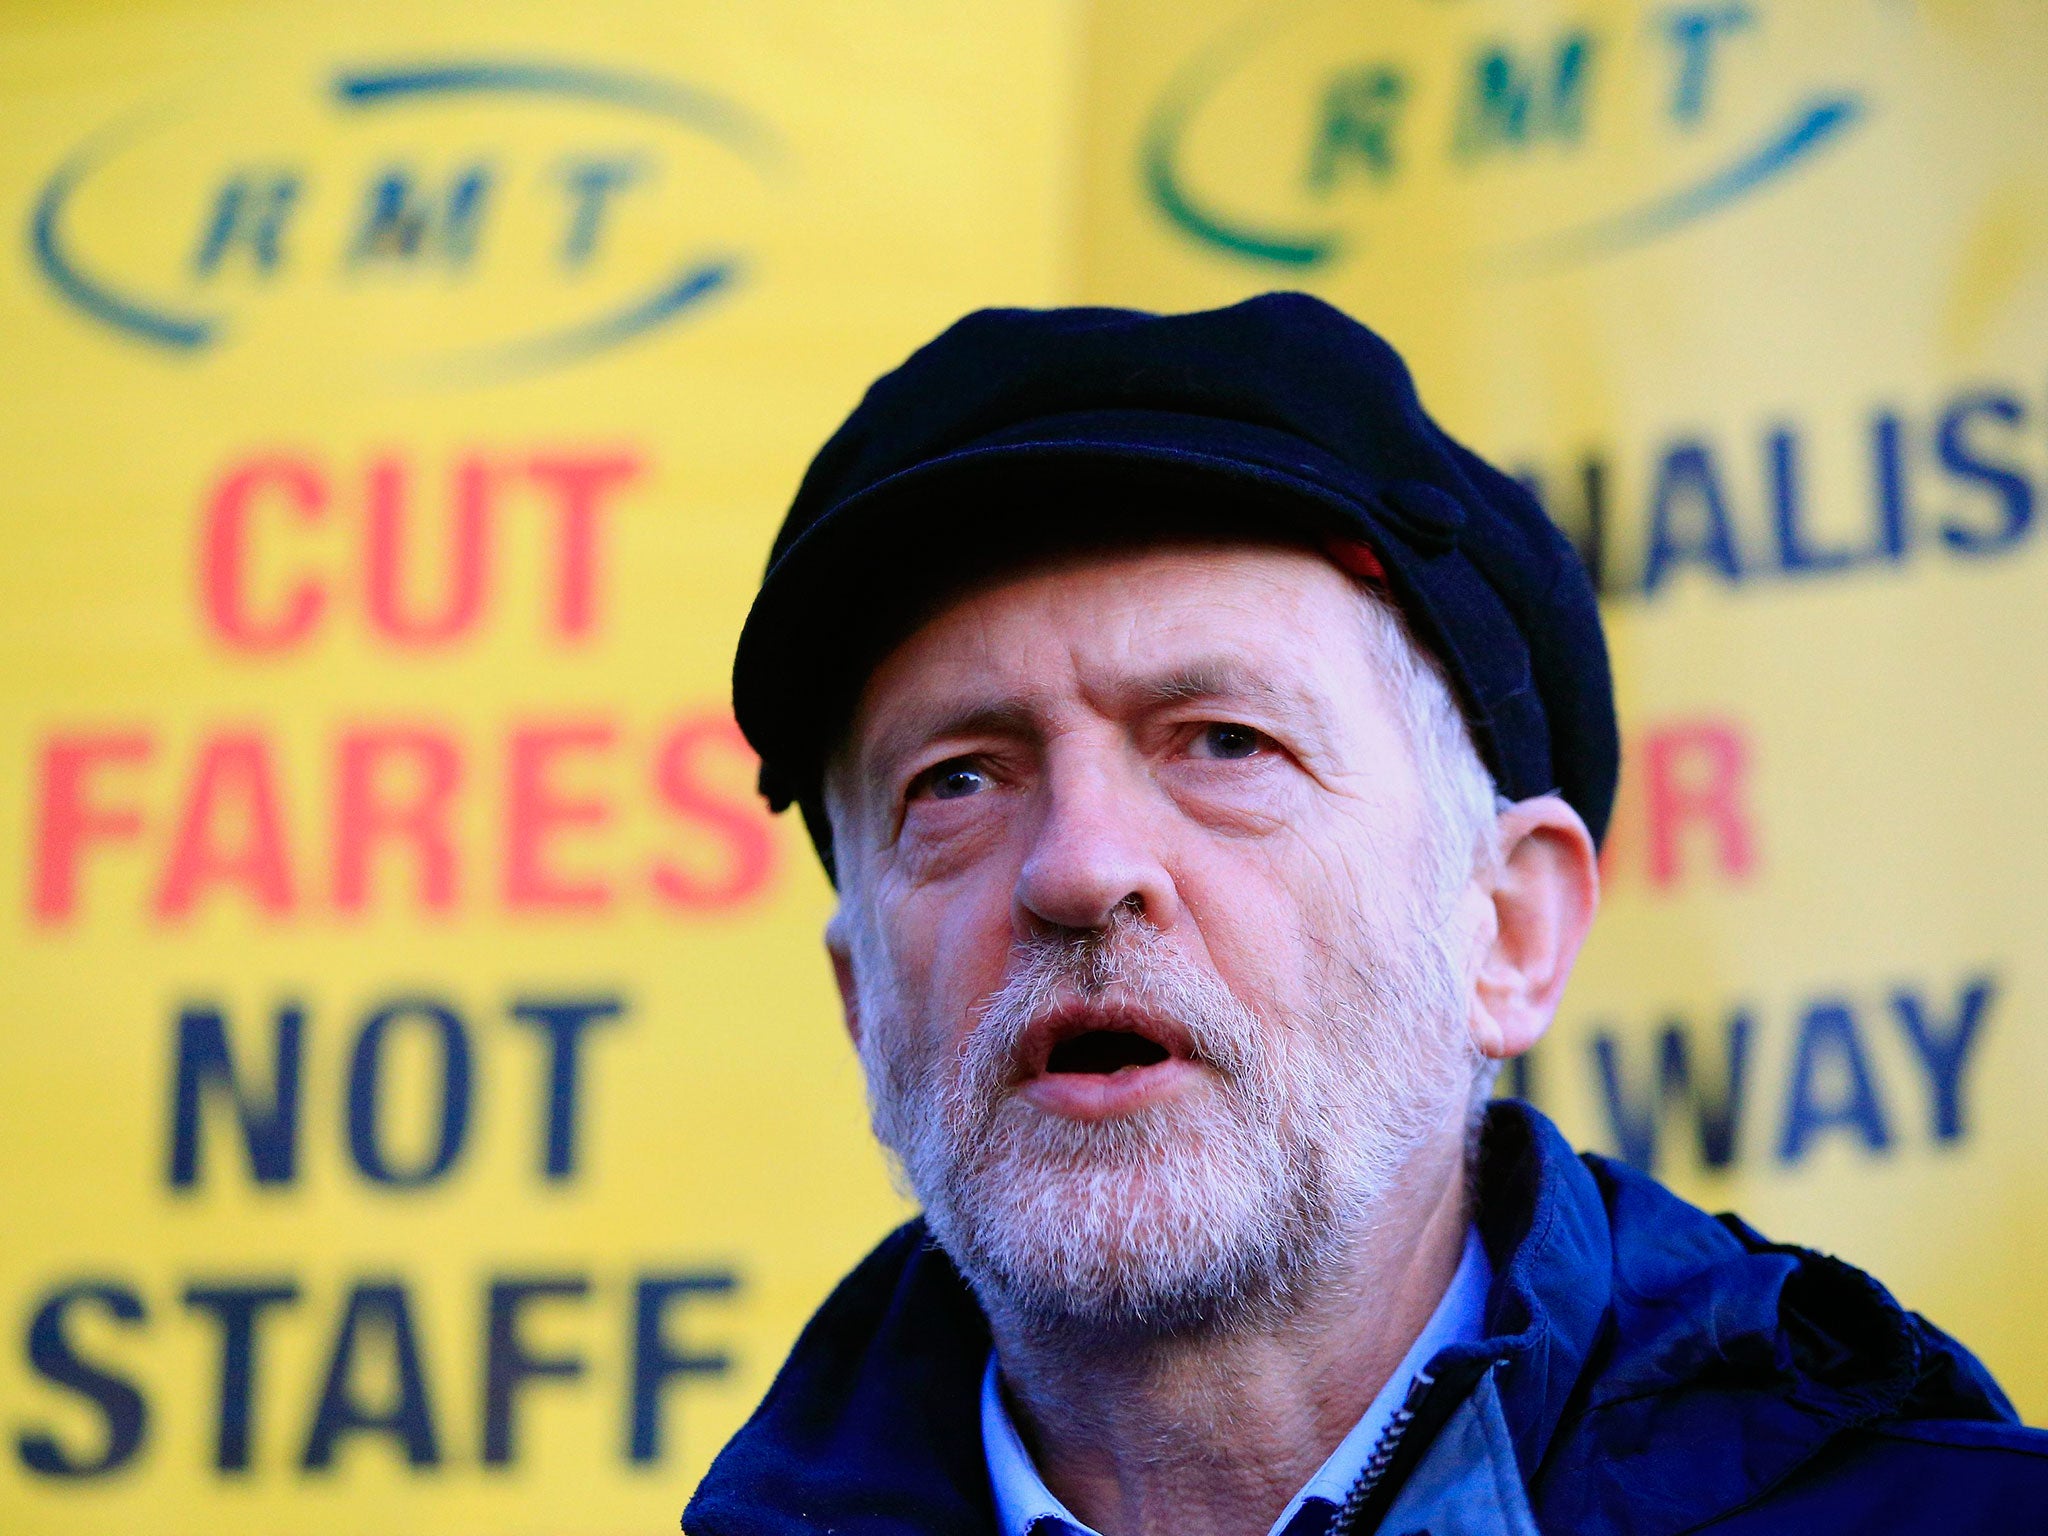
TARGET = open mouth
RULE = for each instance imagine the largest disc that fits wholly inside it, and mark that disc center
(1094, 1062)
(1100, 1052)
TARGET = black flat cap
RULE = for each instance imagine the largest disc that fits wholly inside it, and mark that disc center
(1021, 432)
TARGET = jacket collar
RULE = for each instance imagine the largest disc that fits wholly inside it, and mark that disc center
(1659, 1367)
(871, 1426)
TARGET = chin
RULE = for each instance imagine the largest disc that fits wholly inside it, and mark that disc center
(1139, 1225)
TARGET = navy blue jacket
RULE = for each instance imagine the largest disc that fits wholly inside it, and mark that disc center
(1648, 1369)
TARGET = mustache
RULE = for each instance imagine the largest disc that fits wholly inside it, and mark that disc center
(1125, 963)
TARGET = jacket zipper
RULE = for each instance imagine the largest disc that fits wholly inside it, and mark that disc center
(1383, 1449)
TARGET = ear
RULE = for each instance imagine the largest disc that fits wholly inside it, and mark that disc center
(1543, 893)
(838, 946)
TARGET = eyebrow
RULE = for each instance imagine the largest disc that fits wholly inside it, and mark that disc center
(1227, 678)
(1022, 715)
(1210, 679)
(1015, 716)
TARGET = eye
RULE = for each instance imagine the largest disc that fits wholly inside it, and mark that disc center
(954, 779)
(1231, 743)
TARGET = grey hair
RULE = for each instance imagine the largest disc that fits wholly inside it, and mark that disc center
(1460, 800)
(1458, 792)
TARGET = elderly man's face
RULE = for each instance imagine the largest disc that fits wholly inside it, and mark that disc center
(1156, 972)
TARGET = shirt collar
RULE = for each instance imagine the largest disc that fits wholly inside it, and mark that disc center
(1024, 1503)
(1022, 1499)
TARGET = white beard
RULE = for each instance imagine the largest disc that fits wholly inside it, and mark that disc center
(1210, 1212)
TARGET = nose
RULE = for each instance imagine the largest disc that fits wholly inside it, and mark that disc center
(1097, 847)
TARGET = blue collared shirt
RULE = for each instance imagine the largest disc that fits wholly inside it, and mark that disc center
(1026, 1507)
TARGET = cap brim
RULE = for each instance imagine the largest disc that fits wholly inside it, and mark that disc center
(864, 576)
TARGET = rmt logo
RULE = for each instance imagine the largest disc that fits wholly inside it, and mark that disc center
(457, 220)
(1490, 136)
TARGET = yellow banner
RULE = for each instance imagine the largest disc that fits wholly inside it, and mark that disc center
(424, 1104)
(424, 1107)
(1756, 296)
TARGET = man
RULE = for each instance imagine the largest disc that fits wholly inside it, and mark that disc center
(1211, 756)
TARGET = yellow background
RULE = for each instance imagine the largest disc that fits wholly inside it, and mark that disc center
(926, 159)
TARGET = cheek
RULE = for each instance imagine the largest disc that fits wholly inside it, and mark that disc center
(1365, 868)
(951, 950)
(1258, 926)
(1283, 917)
